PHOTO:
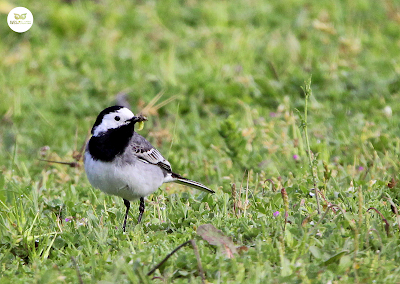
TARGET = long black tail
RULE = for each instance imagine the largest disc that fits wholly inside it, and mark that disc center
(191, 183)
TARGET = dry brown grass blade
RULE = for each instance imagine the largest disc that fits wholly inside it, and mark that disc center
(71, 164)
(167, 257)
(387, 226)
(394, 209)
(151, 104)
(199, 265)
(78, 155)
(167, 101)
(152, 107)
(78, 273)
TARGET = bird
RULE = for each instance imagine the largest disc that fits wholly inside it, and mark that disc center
(121, 162)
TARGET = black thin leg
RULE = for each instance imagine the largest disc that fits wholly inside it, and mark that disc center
(141, 209)
(128, 205)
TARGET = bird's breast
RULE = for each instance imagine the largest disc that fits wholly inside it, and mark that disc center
(127, 180)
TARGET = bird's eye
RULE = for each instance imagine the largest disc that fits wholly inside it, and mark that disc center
(117, 118)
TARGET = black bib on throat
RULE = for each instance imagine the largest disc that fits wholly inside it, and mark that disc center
(110, 144)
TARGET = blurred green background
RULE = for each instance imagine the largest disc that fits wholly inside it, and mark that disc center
(231, 74)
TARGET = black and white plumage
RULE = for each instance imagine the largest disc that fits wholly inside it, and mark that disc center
(121, 162)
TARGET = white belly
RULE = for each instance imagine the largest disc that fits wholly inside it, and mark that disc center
(130, 181)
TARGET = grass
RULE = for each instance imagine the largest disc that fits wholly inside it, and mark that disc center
(234, 72)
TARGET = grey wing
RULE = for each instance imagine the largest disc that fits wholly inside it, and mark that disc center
(147, 153)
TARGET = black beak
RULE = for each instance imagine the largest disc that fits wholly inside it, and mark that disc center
(138, 118)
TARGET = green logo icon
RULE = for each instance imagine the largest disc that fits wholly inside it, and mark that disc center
(19, 16)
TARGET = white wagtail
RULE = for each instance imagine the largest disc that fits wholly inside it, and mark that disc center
(121, 162)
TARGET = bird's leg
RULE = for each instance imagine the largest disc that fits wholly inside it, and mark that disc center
(128, 205)
(141, 209)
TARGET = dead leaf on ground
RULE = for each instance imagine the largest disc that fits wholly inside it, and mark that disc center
(215, 237)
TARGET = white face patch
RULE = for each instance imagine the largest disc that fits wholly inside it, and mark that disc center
(113, 120)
